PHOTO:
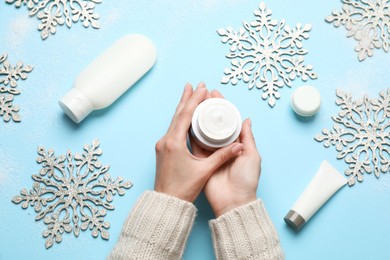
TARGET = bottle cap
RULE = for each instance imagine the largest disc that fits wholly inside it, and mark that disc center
(306, 101)
(294, 220)
(76, 105)
(216, 123)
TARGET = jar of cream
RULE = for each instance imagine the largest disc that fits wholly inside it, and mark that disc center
(216, 123)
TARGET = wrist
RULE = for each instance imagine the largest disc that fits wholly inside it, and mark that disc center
(232, 205)
(175, 193)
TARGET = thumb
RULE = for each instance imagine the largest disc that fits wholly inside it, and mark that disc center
(219, 157)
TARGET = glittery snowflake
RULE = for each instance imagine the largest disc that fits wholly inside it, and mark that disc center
(367, 21)
(266, 53)
(361, 134)
(72, 189)
(57, 12)
(9, 76)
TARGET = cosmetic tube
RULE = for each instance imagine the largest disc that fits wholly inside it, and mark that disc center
(323, 185)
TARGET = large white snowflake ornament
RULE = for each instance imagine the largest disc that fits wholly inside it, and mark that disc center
(368, 21)
(57, 12)
(361, 134)
(9, 76)
(70, 189)
(266, 53)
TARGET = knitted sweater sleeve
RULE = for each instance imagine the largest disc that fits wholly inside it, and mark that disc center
(245, 232)
(157, 228)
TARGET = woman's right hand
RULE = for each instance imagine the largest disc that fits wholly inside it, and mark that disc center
(235, 183)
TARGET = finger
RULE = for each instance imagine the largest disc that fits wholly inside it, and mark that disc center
(219, 157)
(208, 95)
(208, 92)
(187, 92)
(246, 136)
(201, 85)
(197, 151)
(216, 94)
(184, 117)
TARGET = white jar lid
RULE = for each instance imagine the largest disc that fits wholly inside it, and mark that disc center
(306, 101)
(216, 123)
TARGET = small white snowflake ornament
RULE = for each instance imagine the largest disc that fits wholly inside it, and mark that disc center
(8, 110)
(368, 21)
(266, 53)
(9, 76)
(71, 190)
(361, 134)
(57, 12)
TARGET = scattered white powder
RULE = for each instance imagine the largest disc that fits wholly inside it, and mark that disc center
(49, 109)
(357, 85)
(7, 167)
(19, 29)
(9, 180)
(111, 17)
(361, 80)
(209, 5)
(3, 177)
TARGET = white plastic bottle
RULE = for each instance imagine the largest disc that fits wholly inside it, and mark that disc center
(109, 76)
(215, 123)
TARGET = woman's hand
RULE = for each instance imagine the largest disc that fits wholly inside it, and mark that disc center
(178, 172)
(235, 183)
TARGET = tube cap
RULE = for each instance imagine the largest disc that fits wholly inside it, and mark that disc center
(294, 220)
(76, 105)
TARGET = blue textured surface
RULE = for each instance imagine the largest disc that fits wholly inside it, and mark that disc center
(355, 224)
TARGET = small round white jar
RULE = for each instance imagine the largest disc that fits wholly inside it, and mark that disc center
(216, 123)
(306, 101)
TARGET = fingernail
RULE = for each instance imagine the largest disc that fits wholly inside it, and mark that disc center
(187, 86)
(201, 85)
(250, 122)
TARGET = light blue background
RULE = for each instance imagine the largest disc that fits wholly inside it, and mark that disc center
(355, 224)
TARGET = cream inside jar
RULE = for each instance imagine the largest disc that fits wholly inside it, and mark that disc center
(216, 123)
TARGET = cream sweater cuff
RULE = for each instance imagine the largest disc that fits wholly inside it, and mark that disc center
(245, 232)
(157, 228)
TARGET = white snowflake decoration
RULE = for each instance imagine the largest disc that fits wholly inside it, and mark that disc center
(57, 12)
(266, 53)
(9, 75)
(361, 134)
(65, 191)
(367, 21)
